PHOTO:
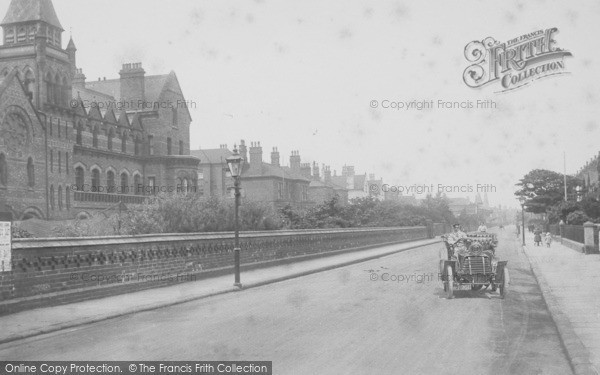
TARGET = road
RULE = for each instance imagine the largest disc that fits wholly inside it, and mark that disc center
(338, 322)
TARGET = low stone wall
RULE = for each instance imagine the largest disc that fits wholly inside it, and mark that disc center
(573, 245)
(55, 271)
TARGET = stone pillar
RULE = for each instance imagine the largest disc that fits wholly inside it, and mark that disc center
(588, 236)
(429, 225)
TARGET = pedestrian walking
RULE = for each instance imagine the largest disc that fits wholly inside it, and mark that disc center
(537, 237)
(548, 239)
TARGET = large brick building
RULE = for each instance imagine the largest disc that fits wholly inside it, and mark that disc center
(70, 147)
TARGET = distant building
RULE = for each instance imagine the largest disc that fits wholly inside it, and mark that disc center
(357, 185)
(213, 176)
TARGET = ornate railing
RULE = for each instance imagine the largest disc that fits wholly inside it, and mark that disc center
(42, 266)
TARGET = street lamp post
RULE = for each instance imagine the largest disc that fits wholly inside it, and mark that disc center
(235, 163)
(522, 202)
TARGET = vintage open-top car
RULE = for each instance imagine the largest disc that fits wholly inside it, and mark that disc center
(475, 268)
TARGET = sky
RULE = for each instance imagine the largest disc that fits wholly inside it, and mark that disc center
(302, 75)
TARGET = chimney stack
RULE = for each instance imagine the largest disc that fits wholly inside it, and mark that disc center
(295, 161)
(255, 158)
(316, 173)
(78, 78)
(133, 84)
(327, 174)
(275, 157)
(243, 150)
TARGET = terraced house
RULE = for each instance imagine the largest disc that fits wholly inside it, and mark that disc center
(69, 147)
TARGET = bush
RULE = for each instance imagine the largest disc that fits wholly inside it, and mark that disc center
(577, 218)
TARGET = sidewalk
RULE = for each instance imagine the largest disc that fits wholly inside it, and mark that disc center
(570, 282)
(44, 320)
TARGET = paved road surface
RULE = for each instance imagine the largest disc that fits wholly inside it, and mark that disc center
(338, 322)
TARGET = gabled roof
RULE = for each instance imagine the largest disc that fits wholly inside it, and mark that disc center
(212, 156)
(31, 10)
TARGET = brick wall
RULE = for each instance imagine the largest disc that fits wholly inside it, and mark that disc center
(48, 272)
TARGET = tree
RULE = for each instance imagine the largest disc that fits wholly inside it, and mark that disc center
(544, 189)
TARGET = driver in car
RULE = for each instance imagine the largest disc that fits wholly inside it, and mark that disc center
(457, 238)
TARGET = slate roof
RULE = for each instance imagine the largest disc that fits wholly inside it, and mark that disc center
(31, 10)
(212, 156)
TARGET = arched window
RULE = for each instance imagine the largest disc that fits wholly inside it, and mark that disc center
(124, 143)
(79, 137)
(60, 198)
(137, 181)
(52, 197)
(79, 178)
(184, 186)
(95, 137)
(68, 198)
(110, 182)
(124, 183)
(169, 146)
(21, 35)
(30, 173)
(3, 170)
(67, 162)
(59, 162)
(111, 135)
(51, 161)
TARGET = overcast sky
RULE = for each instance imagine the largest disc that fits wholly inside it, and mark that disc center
(302, 74)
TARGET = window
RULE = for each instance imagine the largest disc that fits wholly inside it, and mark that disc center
(174, 117)
(95, 137)
(184, 185)
(180, 147)
(124, 183)
(58, 128)
(280, 190)
(111, 135)
(9, 35)
(95, 180)
(49, 89)
(79, 178)
(21, 35)
(3, 170)
(29, 84)
(79, 137)
(68, 198)
(110, 182)
(60, 198)
(59, 162)
(124, 143)
(30, 173)
(136, 146)
(150, 145)
(67, 162)
(169, 146)
(151, 184)
(52, 197)
(137, 181)
(51, 161)
(31, 34)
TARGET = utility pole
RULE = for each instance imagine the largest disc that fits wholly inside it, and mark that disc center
(565, 172)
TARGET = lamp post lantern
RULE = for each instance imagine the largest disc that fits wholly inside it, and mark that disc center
(522, 202)
(235, 163)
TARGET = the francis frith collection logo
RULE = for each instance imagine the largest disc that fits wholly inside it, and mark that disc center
(515, 63)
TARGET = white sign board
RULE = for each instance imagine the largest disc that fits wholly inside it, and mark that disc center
(5, 246)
